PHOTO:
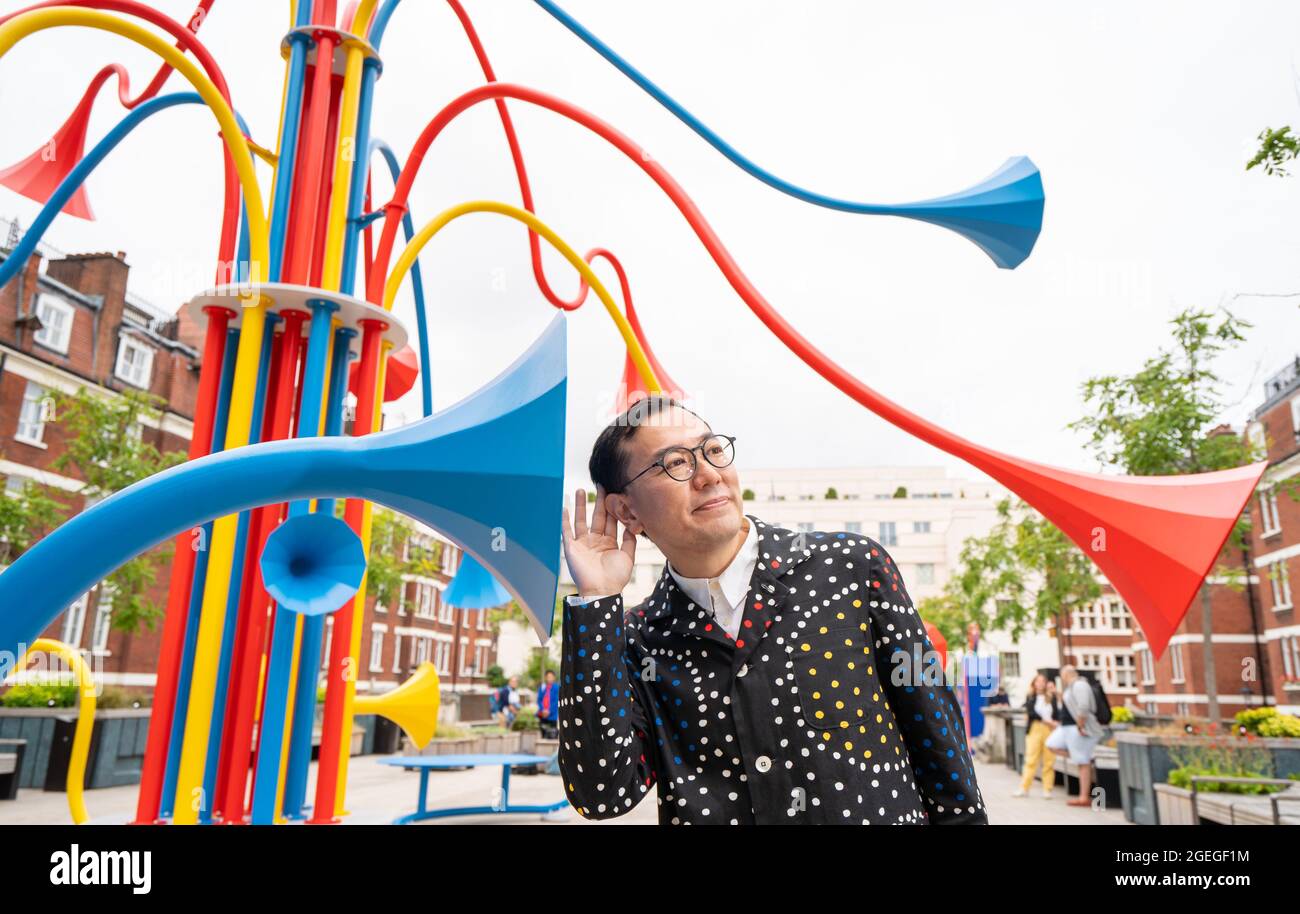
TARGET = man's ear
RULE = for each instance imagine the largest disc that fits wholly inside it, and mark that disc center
(618, 505)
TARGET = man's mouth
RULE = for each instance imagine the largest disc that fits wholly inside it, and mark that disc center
(715, 503)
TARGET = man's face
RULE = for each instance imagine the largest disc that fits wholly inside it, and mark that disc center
(704, 511)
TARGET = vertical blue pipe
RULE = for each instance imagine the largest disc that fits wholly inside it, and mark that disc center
(217, 727)
(360, 171)
(220, 413)
(279, 669)
(310, 653)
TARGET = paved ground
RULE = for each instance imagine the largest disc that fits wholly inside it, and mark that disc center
(380, 793)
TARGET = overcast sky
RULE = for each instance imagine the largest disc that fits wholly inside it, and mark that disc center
(1141, 118)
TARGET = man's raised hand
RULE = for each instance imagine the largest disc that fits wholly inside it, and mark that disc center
(599, 564)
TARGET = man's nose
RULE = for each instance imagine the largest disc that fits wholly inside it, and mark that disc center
(706, 474)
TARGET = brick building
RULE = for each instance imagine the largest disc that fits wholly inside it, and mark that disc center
(1275, 542)
(68, 322)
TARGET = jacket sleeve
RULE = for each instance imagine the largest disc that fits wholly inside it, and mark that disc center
(605, 750)
(923, 703)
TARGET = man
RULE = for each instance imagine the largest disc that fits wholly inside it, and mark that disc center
(511, 702)
(548, 705)
(770, 677)
(1080, 731)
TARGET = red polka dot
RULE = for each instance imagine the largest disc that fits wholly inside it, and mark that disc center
(708, 627)
(758, 604)
(875, 583)
(767, 624)
(740, 643)
(748, 624)
(775, 562)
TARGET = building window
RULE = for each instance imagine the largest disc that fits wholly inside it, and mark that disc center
(37, 408)
(1176, 657)
(1280, 579)
(921, 526)
(425, 601)
(446, 613)
(1182, 709)
(56, 323)
(134, 362)
(103, 619)
(853, 526)
(1121, 671)
(1270, 522)
(1120, 618)
(1295, 416)
(1009, 663)
(1086, 617)
(397, 652)
(925, 573)
(1291, 656)
(888, 534)
(442, 656)
(465, 658)
(1148, 666)
(377, 648)
(74, 622)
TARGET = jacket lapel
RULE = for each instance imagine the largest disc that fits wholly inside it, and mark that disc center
(779, 552)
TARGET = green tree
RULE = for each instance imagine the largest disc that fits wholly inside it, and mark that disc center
(831, 494)
(1276, 148)
(1023, 574)
(26, 516)
(1163, 421)
(106, 448)
(388, 564)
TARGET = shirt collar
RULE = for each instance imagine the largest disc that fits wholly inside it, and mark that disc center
(734, 579)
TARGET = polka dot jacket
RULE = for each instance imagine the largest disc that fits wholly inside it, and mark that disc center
(817, 712)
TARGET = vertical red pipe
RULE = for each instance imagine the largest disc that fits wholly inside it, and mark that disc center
(253, 600)
(331, 738)
(307, 180)
(178, 593)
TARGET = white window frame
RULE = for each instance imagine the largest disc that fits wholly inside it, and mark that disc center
(925, 573)
(121, 371)
(1290, 656)
(1270, 523)
(888, 533)
(1280, 580)
(1295, 416)
(1176, 658)
(74, 622)
(377, 648)
(54, 335)
(397, 652)
(31, 416)
(1148, 666)
(103, 620)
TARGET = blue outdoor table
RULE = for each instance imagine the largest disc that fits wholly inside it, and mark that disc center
(427, 763)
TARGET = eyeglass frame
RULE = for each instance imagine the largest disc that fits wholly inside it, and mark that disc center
(695, 463)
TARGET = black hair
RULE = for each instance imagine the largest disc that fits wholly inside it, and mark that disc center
(608, 464)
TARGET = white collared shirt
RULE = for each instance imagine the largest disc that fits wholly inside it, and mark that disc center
(725, 593)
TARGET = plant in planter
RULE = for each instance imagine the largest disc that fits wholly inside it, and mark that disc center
(1268, 723)
(40, 695)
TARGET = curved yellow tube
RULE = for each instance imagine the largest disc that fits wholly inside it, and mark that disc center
(412, 250)
(221, 555)
(85, 721)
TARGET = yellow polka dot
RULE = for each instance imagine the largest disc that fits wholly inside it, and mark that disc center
(835, 683)
(857, 603)
(848, 642)
(857, 691)
(882, 738)
(861, 729)
(852, 666)
(848, 746)
(863, 627)
(875, 696)
(839, 615)
(866, 754)
(819, 715)
(817, 694)
(827, 655)
(823, 630)
(880, 718)
(805, 646)
(844, 725)
(812, 671)
(827, 735)
(839, 704)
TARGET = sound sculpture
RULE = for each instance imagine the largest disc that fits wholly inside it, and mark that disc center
(260, 559)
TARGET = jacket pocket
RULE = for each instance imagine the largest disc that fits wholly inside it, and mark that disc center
(835, 672)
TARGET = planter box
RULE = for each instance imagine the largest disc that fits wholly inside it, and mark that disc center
(116, 745)
(505, 744)
(1145, 760)
(465, 745)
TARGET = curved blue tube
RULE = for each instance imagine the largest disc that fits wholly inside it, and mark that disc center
(417, 283)
(1002, 215)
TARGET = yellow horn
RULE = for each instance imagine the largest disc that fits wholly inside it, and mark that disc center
(413, 705)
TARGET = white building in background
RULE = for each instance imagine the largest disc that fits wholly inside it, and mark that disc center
(922, 515)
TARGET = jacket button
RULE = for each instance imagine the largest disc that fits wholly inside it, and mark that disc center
(763, 764)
